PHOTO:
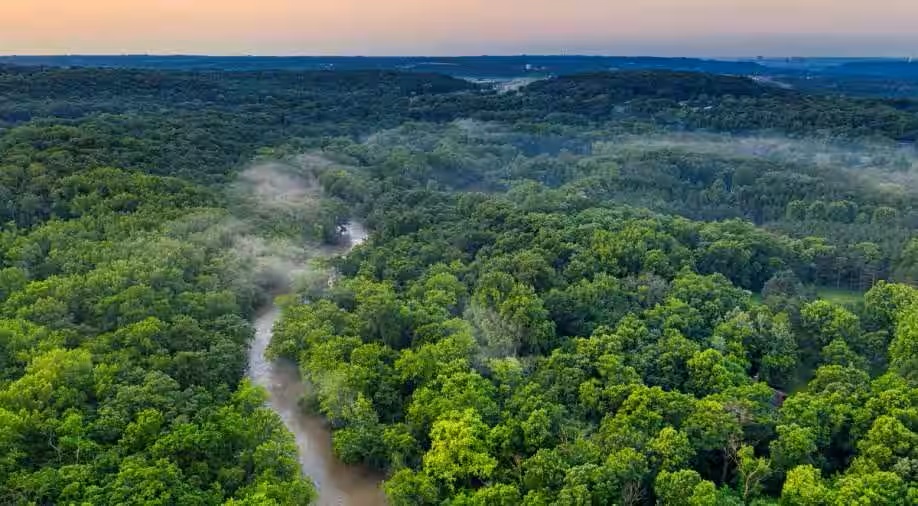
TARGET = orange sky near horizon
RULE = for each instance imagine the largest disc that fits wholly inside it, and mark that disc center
(424, 26)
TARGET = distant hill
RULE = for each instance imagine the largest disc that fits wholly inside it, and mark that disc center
(671, 85)
(495, 67)
(877, 68)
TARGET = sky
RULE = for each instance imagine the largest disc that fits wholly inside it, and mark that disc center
(456, 27)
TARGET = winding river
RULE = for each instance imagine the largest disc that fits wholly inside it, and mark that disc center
(337, 483)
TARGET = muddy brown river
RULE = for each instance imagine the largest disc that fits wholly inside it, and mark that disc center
(337, 483)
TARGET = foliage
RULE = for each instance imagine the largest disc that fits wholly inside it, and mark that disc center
(123, 337)
(555, 306)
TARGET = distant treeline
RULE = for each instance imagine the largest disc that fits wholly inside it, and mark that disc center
(468, 66)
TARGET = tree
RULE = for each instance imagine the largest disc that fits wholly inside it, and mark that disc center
(783, 284)
(672, 449)
(708, 373)
(843, 211)
(458, 450)
(781, 354)
(886, 301)
(498, 495)
(458, 392)
(869, 259)
(903, 350)
(410, 488)
(450, 354)
(871, 488)
(906, 268)
(884, 215)
(817, 210)
(751, 472)
(796, 210)
(381, 313)
(666, 363)
(889, 445)
(12, 280)
(627, 469)
(143, 482)
(824, 322)
(362, 439)
(711, 427)
(684, 488)
(795, 446)
(838, 352)
(511, 316)
(804, 486)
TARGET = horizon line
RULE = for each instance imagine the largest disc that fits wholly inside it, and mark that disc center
(495, 55)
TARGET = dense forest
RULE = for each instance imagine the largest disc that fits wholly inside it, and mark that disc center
(638, 287)
(868, 77)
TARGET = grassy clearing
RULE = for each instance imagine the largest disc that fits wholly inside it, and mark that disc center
(840, 296)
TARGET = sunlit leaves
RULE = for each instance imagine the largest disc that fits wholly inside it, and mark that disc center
(458, 451)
